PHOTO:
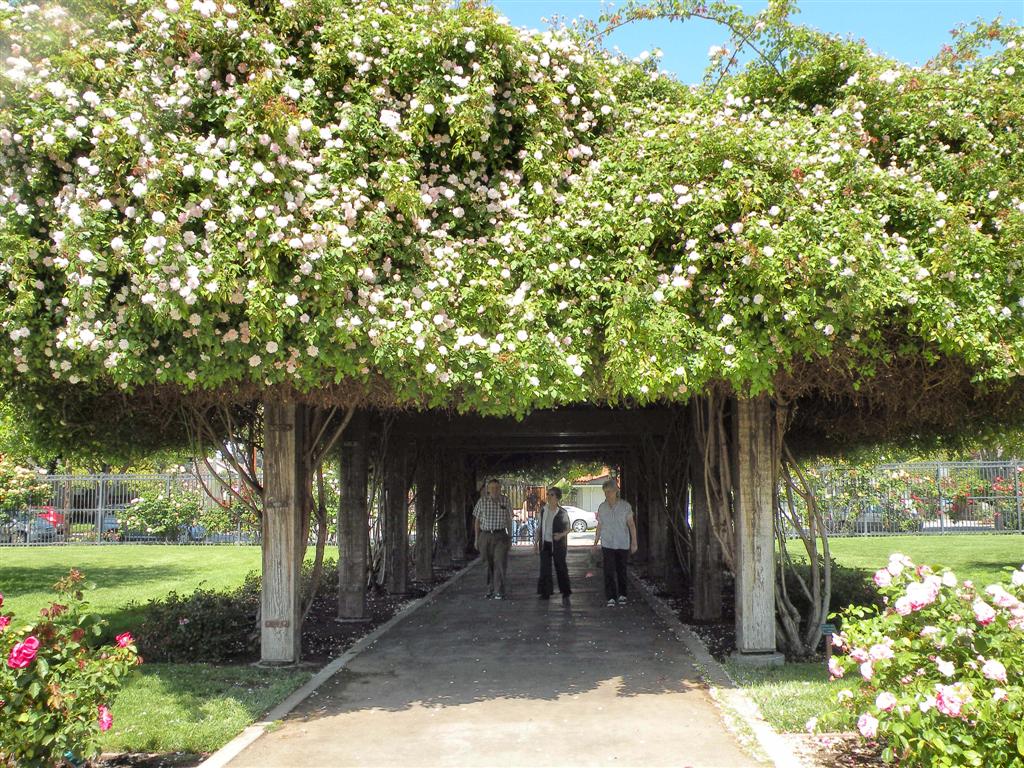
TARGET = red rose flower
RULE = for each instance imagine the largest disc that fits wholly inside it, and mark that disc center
(124, 640)
(23, 653)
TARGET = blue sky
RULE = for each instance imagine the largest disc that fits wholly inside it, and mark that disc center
(909, 30)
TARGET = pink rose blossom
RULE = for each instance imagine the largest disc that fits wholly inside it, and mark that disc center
(868, 726)
(106, 717)
(1001, 597)
(124, 640)
(859, 655)
(838, 641)
(882, 577)
(4, 621)
(835, 668)
(949, 579)
(949, 702)
(885, 701)
(1018, 578)
(844, 695)
(23, 653)
(927, 704)
(984, 614)
(903, 606)
(1000, 694)
(867, 670)
(994, 670)
(880, 651)
(945, 667)
(1, 599)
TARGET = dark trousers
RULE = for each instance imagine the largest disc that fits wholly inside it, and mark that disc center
(614, 572)
(553, 552)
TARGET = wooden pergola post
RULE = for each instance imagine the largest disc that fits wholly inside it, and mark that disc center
(458, 537)
(425, 517)
(442, 492)
(353, 521)
(283, 547)
(755, 539)
(396, 520)
(707, 552)
(659, 543)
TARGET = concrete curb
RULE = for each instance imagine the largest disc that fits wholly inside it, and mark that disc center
(722, 686)
(233, 748)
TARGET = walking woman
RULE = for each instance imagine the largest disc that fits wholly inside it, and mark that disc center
(553, 544)
(616, 533)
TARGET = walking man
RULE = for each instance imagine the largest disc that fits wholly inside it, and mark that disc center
(492, 535)
(616, 533)
(552, 545)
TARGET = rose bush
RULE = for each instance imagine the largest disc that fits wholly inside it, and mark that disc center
(162, 516)
(56, 681)
(936, 674)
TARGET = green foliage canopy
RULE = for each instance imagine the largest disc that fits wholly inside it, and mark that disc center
(428, 207)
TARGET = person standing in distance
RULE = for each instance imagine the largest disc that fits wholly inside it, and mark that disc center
(492, 535)
(616, 534)
(552, 546)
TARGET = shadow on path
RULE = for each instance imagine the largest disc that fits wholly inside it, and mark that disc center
(470, 681)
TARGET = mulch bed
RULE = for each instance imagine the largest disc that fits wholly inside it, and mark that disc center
(323, 639)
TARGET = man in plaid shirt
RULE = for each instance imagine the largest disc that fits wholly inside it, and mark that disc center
(492, 529)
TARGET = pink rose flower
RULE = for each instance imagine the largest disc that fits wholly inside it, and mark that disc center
(885, 701)
(1000, 694)
(868, 726)
(4, 621)
(835, 668)
(984, 614)
(948, 701)
(945, 667)
(882, 577)
(859, 655)
(994, 670)
(105, 717)
(903, 606)
(125, 639)
(1, 599)
(880, 651)
(867, 670)
(1001, 597)
(23, 653)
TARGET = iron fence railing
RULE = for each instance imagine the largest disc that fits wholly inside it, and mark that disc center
(96, 509)
(921, 497)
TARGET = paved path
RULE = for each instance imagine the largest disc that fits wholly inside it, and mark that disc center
(467, 681)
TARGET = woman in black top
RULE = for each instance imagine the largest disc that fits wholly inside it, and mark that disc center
(553, 545)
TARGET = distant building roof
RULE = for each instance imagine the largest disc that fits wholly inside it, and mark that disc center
(594, 479)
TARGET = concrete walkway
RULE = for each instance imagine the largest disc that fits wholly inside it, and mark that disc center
(467, 681)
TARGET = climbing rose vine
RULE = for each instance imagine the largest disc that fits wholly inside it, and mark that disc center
(937, 676)
(427, 202)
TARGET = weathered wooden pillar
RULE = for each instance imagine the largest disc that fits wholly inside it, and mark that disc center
(442, 492)
(283, 547)
(396, 519)
(353, 521)
(636, 488)
(707, 552)
(755, 539)
(659, 542)
(457, 533)
(425, 516)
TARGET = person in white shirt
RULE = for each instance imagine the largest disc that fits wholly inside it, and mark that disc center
(616, 535)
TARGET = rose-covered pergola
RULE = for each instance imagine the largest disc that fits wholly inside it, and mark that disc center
(289, 223)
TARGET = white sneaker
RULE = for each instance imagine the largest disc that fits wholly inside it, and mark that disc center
(622, 599)
(611, 603)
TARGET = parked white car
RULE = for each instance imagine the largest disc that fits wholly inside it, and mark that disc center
(581, 520)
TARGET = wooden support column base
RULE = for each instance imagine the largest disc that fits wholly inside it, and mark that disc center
(765, 659)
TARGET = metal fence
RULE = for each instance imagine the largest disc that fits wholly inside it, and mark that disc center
(96, 509)
(921, 497)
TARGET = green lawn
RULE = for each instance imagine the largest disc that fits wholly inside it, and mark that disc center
(122, 573)
(788, 696)
(980, 557)
(194, 707)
